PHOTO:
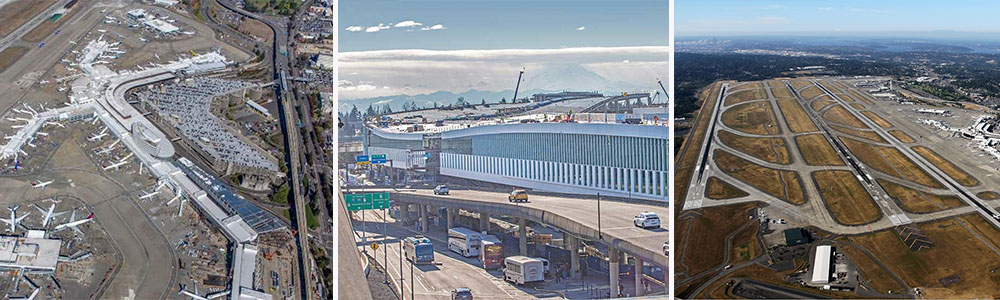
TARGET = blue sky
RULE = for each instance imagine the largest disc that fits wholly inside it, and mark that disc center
(496, 24)
(843, 17)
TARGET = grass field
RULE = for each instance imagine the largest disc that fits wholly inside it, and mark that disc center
(691, 147)
(857, 106)
(877, 277)
(11, 55)
(949, 168)
(799, 84)
(46, 28)
(838, 114)
(846, 198)
(877, 119)
(718, 189)
(795, 116)
(744, 245)
(810, 92)
(706, 236)
(772, 150)
(745, 95)
(988, 195)
(19, 12)
(752, 118)
(902, 136)
(779, 89)
(781, 184)
(956, 252)
(820, 104)
(868, 135)
(890, 161)
(858, 96)
(915, 201)
(817, 151)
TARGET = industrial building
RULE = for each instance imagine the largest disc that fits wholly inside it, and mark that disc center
(30, 254)
(821, 264)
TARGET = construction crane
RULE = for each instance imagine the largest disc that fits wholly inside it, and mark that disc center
(518, 86)
(664, 89)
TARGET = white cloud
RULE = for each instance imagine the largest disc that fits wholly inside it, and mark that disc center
(418, 71)
(581, 28)
(408, 23)
(435, 27)
(377, 28)
(355, 28)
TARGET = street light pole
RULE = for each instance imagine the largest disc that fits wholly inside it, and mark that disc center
(600, 235)
(401, 289)
(385, 243)
(411, 278)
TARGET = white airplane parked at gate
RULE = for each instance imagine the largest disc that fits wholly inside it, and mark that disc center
(41, 184)
(14, 219)
(147, 196)
(49, 214)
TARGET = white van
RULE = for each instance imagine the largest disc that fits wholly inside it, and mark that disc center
(523, 269)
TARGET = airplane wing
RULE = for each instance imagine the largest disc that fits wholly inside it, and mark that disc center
(56, 214)
(22, 217)
(40, 210)
(77, 230)
(5, 221)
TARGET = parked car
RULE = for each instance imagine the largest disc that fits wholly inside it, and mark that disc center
(441, 190)
(647, 220)
(518, 196)
(461, 294)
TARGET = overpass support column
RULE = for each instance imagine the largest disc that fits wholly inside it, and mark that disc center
(404, 212)
(451, 217)
(484, 221)
(639, 290)
(613, 257)
(573, 245)
(522, 234)
(423, 217)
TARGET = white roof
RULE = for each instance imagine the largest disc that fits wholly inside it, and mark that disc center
(520, 259)
(821, 264)
(29, 253)
(161, 26)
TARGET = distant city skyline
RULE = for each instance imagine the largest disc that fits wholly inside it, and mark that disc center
(493, 24)
(921, 18)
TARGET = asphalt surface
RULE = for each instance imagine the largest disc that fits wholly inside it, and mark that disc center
(616, 217)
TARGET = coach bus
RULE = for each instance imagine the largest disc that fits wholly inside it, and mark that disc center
(491, 252)
(419, 249)
(464, 241)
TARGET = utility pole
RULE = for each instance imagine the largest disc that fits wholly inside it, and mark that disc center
(385, 244)
(411, 279)
(600, 235)
(401, 289)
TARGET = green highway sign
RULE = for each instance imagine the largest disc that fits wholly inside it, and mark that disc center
(378, 159)
(356, 202)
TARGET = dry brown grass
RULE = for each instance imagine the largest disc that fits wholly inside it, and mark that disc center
(817, 151)
(745, 95)
(956, 252)
(988, 195)
(857, 106)
(781, 184)
(839, 114)
(915, 201)
(768, 149)
(902, 136)
(752, 118)
(810, 92)
(820, 104)
(19, 12)
(10, 56)
(706, 236)
(845, 197)
(890, 161)
(718, 189)
(868, 135)
(257, 29)
(796, 117)
(744, 245)
(949, 168)
(858, 96)
(778, 89)
(691, 147)
(877, 119)
(799, 84)
(878, 278)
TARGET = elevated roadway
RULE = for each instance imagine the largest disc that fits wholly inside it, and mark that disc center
(575, 216)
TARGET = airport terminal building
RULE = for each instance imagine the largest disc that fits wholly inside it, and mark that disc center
(613, 159)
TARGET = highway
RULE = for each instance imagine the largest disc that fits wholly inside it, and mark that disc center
(435, 281)
(292, 143)
(572, 215)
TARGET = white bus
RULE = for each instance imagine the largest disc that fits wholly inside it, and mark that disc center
(523, 269)
(464, 241)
